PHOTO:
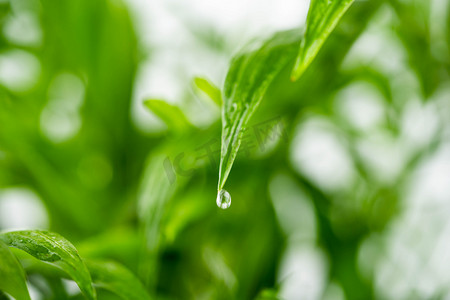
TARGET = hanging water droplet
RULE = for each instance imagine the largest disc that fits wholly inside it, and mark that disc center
(223, 199)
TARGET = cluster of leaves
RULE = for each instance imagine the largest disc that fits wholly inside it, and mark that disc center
(57, 251)
(251, 72)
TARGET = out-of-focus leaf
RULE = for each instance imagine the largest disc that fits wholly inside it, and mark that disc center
(248, 78)
(323, 16)
(53, 248)
(118, 244)
(167, 170)
(189, 208)
(156, 188)
(268, 294)
(371, 75)
(448, 26)
(414, 31)
(207, 87)
(12, 276)
(170, 114)
(117, 279)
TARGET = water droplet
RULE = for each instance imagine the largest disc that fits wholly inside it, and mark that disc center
(223, 199)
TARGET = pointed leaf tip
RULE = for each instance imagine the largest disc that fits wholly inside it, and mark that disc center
(209, 88)
(249, 76)
(323, 17)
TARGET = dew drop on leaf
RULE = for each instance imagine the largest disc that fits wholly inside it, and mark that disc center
(223, 199)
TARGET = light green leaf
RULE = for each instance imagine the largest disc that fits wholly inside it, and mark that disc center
(248, 78)
(170, 114)
(53, 248)
(268, 294)
(323, 16)
(207, 87)
(12, 275)
(117, 279)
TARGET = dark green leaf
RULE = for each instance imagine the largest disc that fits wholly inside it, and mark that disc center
(117, 279)
(248, 78)
(323, 16)
(53, 248)
(12, 276)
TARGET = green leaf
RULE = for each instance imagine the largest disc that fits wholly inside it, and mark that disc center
(207, 87)
(12, 275)
(323, 16)
(268, 294)
(248, 78)
(117, 279)
(154, 191)
(53, 248)
(170, 114)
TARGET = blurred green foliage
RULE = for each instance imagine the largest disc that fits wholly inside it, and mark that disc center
(145, 200)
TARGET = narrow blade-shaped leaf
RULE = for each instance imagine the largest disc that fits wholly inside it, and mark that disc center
(53, 248)
(248, 78)
(323, 16)
(117, 279)
(169, 114)
(154, 192)
(12, 275)
(207, 87)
